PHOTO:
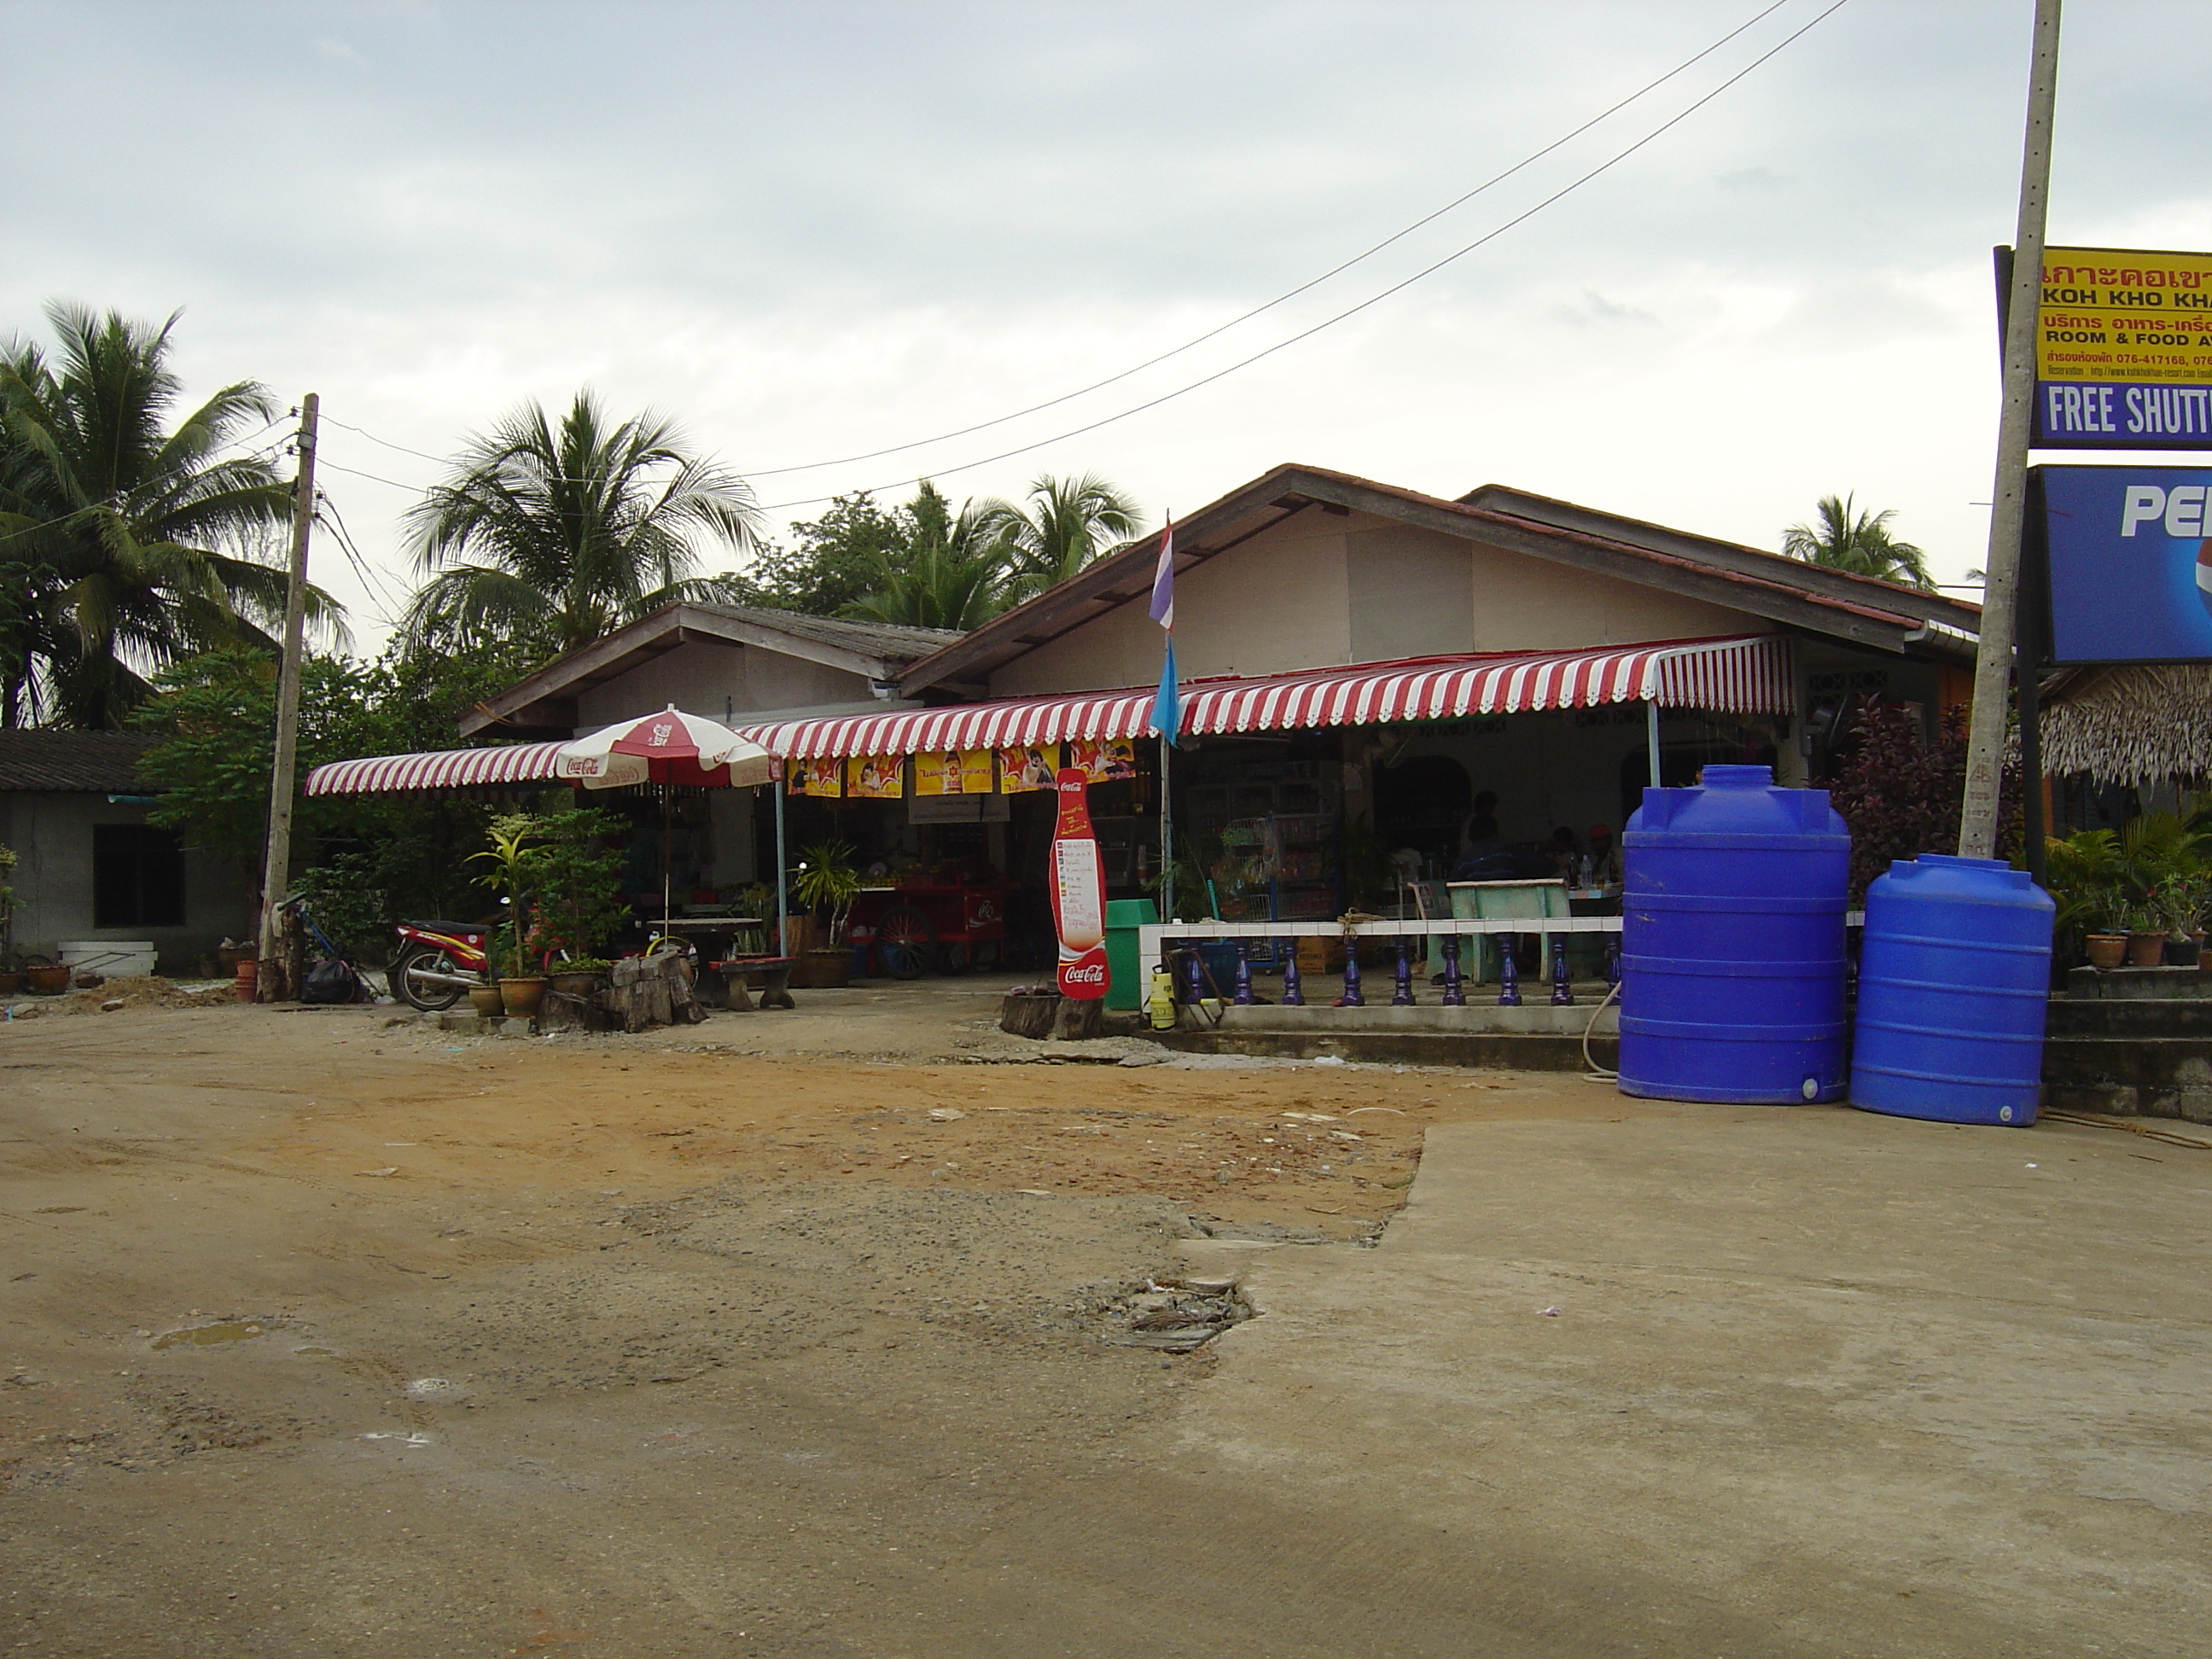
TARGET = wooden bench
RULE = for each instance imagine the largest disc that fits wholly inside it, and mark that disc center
(731, 972)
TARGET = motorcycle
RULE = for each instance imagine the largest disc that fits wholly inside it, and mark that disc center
(439, 960)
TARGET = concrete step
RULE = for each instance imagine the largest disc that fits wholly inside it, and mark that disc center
(1404, 1046)
(2131, 1076)
(2072, 1017)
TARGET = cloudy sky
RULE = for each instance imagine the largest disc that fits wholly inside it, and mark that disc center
(814, 231)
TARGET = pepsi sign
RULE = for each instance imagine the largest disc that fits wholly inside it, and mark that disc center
(2130, 558)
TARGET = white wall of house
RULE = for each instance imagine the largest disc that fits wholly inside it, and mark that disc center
(1324, 589)
(707, 676)
(51, 835)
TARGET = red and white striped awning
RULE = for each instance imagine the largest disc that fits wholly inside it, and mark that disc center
(1743, 675)
(444, 769)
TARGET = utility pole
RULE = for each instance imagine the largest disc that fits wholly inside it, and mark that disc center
(277, 870)
(1993, 657)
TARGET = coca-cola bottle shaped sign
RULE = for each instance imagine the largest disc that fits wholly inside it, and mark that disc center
(1078, 890)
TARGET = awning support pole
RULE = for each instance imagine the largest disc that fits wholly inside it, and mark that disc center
(1167, 837)
(1651, 737)
(782, 903)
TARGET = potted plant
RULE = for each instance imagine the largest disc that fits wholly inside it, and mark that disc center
(514, 855)
(578, 977)
(2146, 938)
(2186, 896)
(2088, 880)
(827, 881)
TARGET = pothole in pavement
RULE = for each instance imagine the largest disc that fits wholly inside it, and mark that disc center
(220, 1330)
(1175, 1316)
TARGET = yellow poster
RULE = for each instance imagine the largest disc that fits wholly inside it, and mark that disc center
(952, 772)
(1026, 767)
(875, 777)
(823, 776)
(2117, 314)
(937, 772)
(1103, 761)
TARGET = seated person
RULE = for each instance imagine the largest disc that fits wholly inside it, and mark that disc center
(1567, 857)
(1485, 858)
(1602, 867)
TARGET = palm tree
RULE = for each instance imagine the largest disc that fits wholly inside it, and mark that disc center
(1859, 542)
(951, 573)
(552, 536)
(124, 547)
(1067, 524)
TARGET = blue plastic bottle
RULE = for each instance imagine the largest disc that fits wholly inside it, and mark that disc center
(1732, 946)
(1954, 980)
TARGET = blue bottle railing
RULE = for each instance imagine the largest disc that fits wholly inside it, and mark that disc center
(1166, 944)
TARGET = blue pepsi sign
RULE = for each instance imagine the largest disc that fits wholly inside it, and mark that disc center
(2129, 561)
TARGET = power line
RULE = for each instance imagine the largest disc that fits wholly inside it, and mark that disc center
(373, 477)
(1521, 165)
(1350, 311)
(370, 581)
(440, 459)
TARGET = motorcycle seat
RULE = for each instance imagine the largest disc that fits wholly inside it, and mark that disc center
(471, 929)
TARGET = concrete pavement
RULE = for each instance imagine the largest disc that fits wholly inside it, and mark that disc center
(1716, 1380)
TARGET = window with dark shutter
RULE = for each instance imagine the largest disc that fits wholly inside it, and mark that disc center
(137, 877)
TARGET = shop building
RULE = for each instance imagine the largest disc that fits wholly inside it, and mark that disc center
(1363, 667)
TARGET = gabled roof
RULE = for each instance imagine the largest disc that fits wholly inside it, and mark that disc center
(1858, 608)
(875, 651)
(94, 762)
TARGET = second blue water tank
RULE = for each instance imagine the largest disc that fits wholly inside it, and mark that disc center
(1954, 980)
(1732, 947)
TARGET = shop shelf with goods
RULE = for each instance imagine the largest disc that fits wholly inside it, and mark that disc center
(1275, 869)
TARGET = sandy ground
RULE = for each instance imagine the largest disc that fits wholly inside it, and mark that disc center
(813, 1334)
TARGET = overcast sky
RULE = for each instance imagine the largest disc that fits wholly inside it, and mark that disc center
(812, 231)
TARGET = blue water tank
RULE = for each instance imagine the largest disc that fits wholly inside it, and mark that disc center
(1732, 942)
(1955, 979)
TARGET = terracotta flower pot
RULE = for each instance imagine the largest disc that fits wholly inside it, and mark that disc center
(245, 979)
(486, 1001)
(2106, 950)
(578, 985)
(10, 983)
(2146, 950)
(46, 980)
(522, 995)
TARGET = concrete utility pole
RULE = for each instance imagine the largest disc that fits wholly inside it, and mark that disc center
(1993, 659)
(277, 870)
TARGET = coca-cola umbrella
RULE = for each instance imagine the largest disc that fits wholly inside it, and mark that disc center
(668, 748)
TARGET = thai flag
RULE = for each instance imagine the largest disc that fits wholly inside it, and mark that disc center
(1167, 707)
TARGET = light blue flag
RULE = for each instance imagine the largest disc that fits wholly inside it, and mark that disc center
(1167, 707)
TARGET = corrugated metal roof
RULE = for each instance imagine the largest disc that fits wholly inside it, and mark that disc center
(105, 763)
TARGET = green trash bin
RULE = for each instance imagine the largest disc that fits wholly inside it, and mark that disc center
(1125, 978)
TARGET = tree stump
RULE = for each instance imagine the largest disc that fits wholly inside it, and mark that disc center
(1078, 1019)
(1028, 1014)
(647, 991)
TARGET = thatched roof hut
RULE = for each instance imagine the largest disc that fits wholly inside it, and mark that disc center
(2129, 725)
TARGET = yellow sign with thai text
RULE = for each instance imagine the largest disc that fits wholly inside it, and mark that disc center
(2123, 350)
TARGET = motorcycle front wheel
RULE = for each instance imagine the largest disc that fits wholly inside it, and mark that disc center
(408, 976)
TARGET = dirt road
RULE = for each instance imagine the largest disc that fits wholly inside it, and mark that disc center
(323, 1337)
